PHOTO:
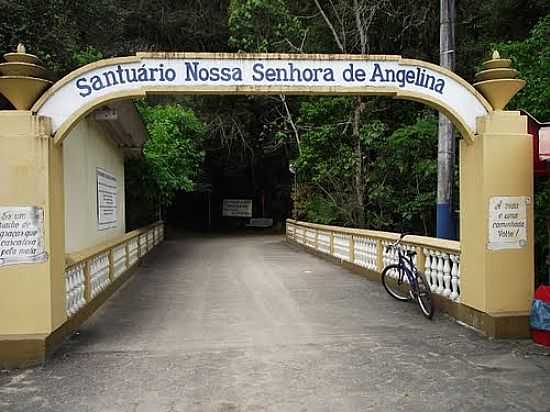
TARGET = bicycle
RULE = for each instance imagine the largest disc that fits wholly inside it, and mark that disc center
(404, 282)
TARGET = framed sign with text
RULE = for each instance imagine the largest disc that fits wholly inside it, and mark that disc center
(22, 235)
(107, 190)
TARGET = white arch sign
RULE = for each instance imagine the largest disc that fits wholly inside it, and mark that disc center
(198, 73)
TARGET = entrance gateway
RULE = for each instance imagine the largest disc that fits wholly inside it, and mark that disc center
(206, 73)
(496, 276)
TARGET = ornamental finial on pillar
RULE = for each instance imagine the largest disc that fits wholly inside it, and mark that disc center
(23, 78)
(497, 81)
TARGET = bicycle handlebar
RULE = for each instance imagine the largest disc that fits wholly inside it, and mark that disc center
(397, 242)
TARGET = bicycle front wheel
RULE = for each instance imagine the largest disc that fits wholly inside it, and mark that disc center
(424, 295)
(396, 283)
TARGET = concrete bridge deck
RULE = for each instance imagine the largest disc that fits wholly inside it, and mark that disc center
(247, 323)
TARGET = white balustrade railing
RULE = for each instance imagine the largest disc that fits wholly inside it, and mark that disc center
(99, 273)
(323, 241)
(438, 258)
(143, 244)
(290, 234)
(365, 254)
(442, 269)
(300, 235)
(120, 260)
(133, 251)
(150, 240)
(311, 238)
(75, 285)
(342, 246)
(89, 273)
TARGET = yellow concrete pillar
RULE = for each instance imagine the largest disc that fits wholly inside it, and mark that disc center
(497, 278)
(32, 295)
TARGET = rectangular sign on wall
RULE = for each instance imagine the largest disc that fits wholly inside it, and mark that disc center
(237, 207)
(508, 222)
(106, 200)
(22, 235)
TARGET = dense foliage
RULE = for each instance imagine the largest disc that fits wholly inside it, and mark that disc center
(172, 157)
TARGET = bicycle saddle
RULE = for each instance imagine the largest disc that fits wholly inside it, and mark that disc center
(411, 253)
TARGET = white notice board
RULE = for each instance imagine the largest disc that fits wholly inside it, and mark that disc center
(508, 222)
(107, 189)
(237, 207)
(22, 235)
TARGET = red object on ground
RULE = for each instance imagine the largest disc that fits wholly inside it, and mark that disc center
(543, 293)
(542, 337)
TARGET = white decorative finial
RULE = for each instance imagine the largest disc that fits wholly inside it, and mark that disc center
(21, 48)
(496, 55)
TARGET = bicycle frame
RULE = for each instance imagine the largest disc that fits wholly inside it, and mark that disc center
(407, 265)
(405, 272)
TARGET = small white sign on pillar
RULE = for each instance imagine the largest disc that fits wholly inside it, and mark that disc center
(508, 222)
(22, 235)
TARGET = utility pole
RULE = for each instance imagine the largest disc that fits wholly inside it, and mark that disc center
(445, 226)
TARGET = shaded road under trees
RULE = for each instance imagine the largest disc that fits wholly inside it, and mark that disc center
(248, 323)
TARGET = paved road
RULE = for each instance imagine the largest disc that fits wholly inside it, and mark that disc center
(247, 323)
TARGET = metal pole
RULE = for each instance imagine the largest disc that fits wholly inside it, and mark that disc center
(445, 225)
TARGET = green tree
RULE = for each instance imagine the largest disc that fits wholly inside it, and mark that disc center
(326, 164)
(172, 158)
(403, 177)
(531, 58)
(173, 147)
(264, 26)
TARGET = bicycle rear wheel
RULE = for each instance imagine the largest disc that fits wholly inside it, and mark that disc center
(424, 295)
(396, 283)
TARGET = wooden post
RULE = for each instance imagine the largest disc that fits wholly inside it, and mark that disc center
(352, 248)
(331, 243)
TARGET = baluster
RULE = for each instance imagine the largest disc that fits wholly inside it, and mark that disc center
(458, 290)
(69, 289)
(440, 286)
(372, 258)
(368, 253)
(376, 244)
(82, 286)
(447, 276)
(427, 268)
(433, 271)
(368, 257)
(454, 280)
(318, 240)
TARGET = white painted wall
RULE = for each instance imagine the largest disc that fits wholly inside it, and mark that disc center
(86, 148)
